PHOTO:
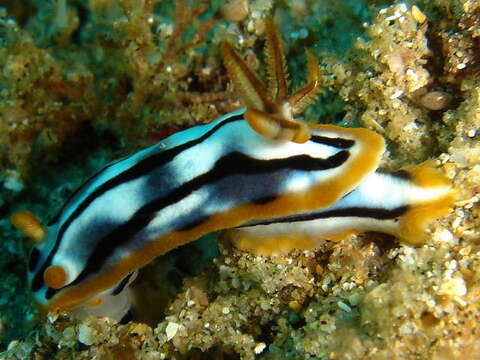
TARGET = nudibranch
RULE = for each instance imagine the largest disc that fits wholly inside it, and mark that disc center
(277, 182)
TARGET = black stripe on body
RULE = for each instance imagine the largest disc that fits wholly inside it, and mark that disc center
(136, 171)
(33, 260)
(264, 200)
(83, 186)
(234, 163)
(361, 212)
(338, 143)
(401, 174)
(122, 285)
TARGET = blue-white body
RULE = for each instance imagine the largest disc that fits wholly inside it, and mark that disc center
(212, 177)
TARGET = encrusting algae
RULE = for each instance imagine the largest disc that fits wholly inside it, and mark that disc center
(110, 71)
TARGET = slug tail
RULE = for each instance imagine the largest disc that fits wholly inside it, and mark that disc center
(434, 198)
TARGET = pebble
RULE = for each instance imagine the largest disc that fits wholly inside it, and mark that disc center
(171, 330)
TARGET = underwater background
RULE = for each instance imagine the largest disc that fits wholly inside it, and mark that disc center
(83, 82)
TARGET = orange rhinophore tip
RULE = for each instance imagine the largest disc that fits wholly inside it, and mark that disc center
(55, 276)
(29, 225)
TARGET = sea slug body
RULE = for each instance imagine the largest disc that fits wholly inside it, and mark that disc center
(204, 179)
(275, 181)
